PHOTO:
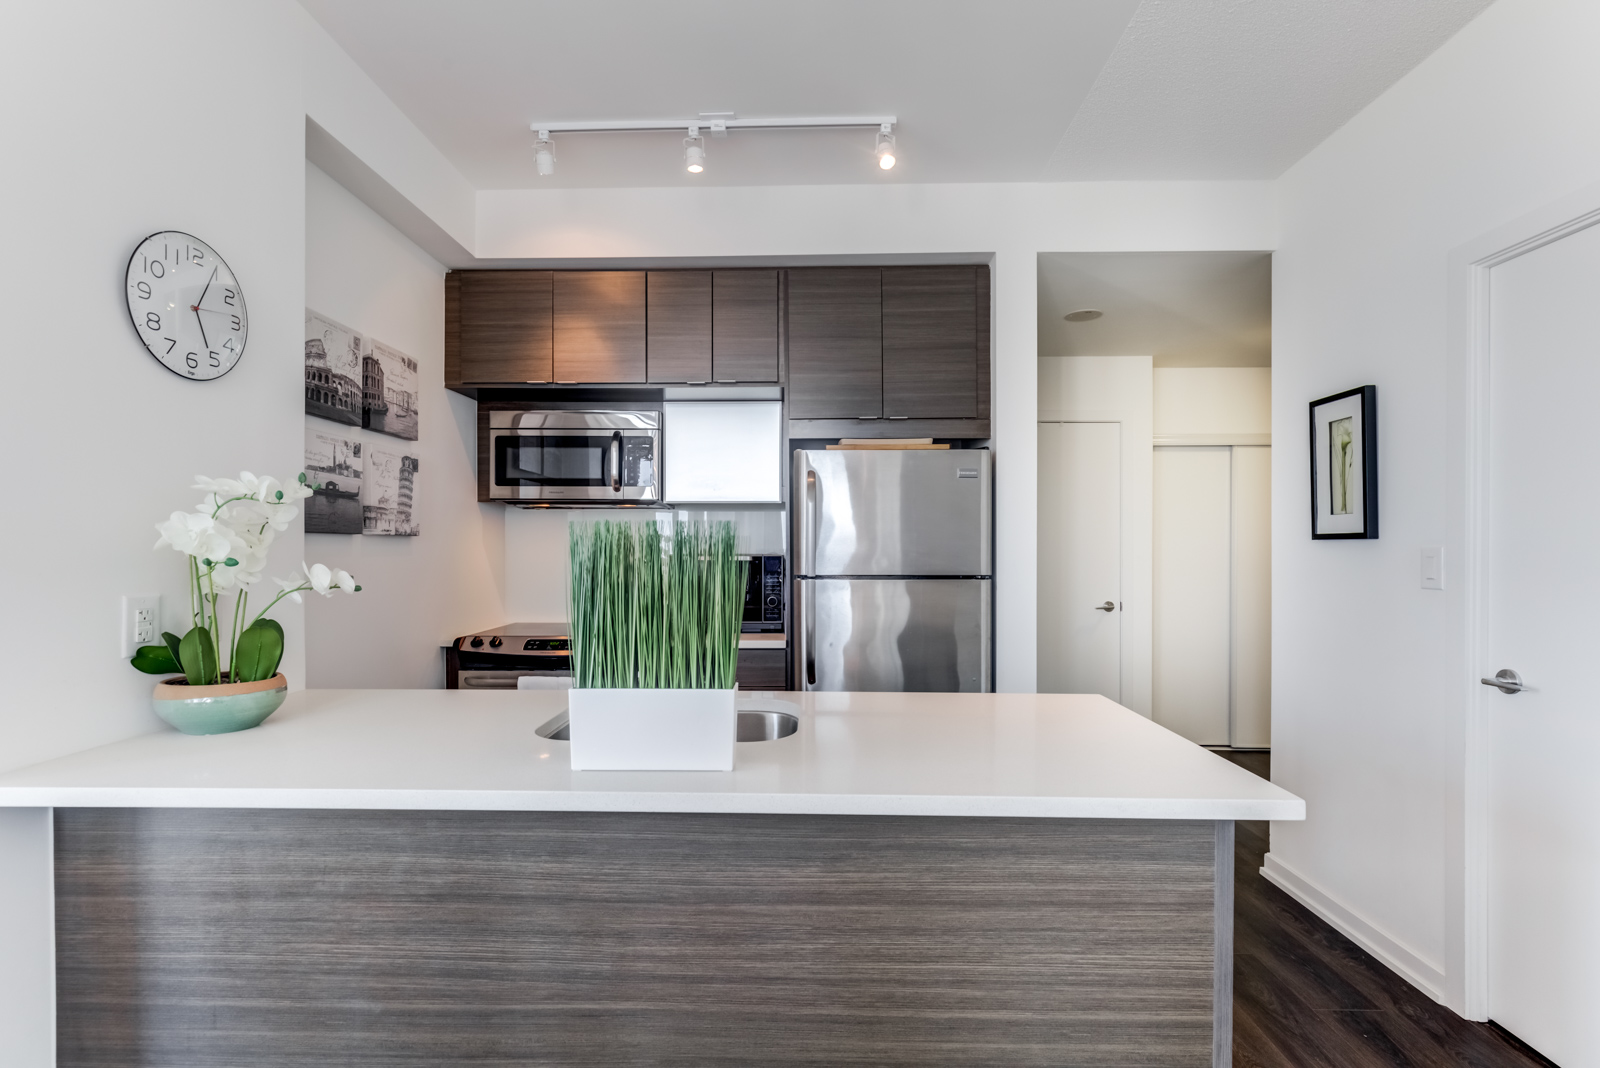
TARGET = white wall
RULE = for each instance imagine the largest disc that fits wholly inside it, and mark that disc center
(1116, 389)
(1368, 668)
(1226, 402)
(102, 441)
(417, 593)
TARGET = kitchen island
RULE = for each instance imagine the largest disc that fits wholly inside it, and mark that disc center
(417, 877)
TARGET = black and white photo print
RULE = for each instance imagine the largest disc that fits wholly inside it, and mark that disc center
(333, 370)
(388, 493)
(389, 391)
(333, 469)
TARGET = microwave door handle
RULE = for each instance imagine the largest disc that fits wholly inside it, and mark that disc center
(616, 461)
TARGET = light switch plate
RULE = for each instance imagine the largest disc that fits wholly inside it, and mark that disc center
(141, 623)
(1433, 567)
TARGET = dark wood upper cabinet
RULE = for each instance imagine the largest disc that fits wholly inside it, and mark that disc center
(744, 326)
(504, 330)
(835, 342)
(599, 326)
(678, 345)
(930, 342)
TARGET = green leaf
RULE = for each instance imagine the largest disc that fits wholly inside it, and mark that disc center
(198, 657)
(156, 660)
(259, 650)
(173, 641)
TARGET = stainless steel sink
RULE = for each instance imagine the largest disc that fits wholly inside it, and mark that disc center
(753, 727)
(766, 726)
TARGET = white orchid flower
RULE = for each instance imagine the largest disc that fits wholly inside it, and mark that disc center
(279, 518)
(197, 534)
(290, 589)
(343, 581)
(320, 578)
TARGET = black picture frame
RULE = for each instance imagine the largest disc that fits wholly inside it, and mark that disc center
(1331, 442)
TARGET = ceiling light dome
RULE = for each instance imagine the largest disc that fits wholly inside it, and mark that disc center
(694, 151)
(1083, 316)
(544, 156)
(885, 149)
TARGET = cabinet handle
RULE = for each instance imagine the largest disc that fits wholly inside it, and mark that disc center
(899, 417)
(564, 382)
(726, 381)
(866, 417)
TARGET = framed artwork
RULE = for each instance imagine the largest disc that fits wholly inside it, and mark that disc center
(333, 467)
(389, 391)
(388, 494)
(1344, 464)
(333, 370)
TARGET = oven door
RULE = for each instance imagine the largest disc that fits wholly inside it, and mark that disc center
(575, 457)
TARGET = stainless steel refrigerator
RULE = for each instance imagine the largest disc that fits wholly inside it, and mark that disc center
(892, 570)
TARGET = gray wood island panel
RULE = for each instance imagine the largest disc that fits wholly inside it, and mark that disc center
(285, 937)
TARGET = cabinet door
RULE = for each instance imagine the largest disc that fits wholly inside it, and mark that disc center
(599, 331)
(835, 343)
(505, 327)
(678, 332)
(930, 342)
(744, 326)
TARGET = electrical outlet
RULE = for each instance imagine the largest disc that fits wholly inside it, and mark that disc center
(141, 623)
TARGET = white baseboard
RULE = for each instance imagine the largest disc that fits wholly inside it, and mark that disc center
(1400, 958)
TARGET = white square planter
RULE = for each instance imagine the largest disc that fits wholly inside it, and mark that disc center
(652, 730)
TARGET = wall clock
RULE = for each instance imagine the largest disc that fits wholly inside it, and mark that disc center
(186, 305)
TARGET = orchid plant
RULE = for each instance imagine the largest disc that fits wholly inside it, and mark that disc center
(226, 539)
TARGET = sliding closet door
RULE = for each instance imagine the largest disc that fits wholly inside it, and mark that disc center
(1252, 597)
(1193, 591)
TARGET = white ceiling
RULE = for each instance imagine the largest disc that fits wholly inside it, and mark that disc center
(1244, 88)
(1187, 309)
(1007, 90)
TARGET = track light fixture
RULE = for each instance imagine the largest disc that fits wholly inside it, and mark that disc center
(544, 156)
(885, 149)
(719, 122)
(694, 151)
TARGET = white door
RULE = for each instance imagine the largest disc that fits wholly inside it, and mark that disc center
(1252, 597)
(1542, 620)
(1080, 558)
(1193, 588)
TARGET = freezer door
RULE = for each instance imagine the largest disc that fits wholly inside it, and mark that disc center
(911, 635)
(912, 512)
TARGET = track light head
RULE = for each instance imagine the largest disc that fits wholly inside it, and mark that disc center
(885, 149)
(544, 156)
(694, 151)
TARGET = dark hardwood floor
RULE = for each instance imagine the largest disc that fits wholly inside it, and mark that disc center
(1307, 997)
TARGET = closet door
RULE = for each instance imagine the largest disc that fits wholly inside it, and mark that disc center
(1252, 597)
(1191, 689)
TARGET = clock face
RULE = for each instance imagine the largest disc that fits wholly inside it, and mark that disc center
(186, 305)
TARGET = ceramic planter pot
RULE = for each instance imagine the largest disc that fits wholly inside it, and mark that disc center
(233, 706)
(652, 730)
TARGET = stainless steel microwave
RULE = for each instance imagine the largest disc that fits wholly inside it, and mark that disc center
(567, 457)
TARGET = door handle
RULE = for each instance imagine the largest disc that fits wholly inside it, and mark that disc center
(1506, 681)
(1109, 606)
(808, 551)
(616, 461)
(808, 607)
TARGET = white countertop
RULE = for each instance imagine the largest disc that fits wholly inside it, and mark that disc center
(1045, 755)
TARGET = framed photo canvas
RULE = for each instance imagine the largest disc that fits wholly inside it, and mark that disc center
(1344, 464)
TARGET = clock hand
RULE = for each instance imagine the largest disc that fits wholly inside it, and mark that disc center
(195, 307)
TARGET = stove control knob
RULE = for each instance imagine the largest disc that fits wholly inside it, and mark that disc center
(495, 643)
(476, 643)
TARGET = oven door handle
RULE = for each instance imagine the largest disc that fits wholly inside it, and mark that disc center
(616, 461)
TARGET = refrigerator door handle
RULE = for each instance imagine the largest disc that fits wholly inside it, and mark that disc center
(808, 551)
(808, 637)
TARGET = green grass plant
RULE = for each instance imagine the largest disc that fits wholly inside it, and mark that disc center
(651, 612)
